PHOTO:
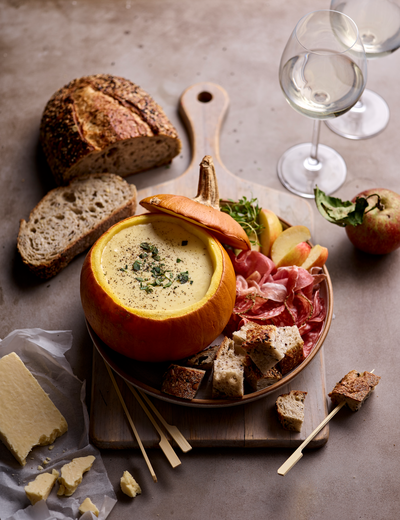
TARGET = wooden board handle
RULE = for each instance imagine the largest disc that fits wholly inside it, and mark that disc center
(203, 108)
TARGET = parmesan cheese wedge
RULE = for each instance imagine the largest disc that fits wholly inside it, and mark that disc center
(39, 489)
(72, 474)
(87, 505)
(28, 417)
(129, 485)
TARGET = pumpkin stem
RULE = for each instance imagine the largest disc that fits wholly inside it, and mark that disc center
(207, 192)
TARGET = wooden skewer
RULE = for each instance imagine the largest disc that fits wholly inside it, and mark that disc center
(164, 443)
(296, 455)
(131, 423)
(172, 430)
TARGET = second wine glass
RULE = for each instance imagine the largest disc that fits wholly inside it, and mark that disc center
(379, 25)
(322, 74)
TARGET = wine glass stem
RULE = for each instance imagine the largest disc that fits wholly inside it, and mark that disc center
(312, 163)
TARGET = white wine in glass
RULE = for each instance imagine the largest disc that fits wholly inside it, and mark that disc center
(378, 23)
(322, 74)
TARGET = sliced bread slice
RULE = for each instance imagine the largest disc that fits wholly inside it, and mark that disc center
(228, 373)
(70, 219)
(354, 388)
(290, 408)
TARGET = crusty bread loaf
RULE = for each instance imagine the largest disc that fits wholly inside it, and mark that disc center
(105, 123)
(290, 409)
(70, 219)
(228, 373)
(183, 382)
(354, 388)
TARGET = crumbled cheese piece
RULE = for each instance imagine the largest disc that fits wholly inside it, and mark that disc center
(39, 489)
(27, 415)
(87, 505)
(129, 485)
(40, 468)
(72, 473)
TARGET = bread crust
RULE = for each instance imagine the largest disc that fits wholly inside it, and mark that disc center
(183, 382)
(47, 268)
(91, 114)
(354, 388)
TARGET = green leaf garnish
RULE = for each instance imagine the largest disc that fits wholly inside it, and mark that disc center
(339, 212)
(136, 265)
(245, 212)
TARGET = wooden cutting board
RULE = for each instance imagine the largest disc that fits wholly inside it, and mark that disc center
(203, 107)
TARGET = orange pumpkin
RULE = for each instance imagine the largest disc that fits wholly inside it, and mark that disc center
(155, 336)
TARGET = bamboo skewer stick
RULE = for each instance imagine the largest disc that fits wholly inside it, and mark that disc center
(296, 455)
(131, 423)
(164, 443)
(172, 430)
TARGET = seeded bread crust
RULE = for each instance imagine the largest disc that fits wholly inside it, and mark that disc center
(104, 123)
(183, 382)
(69, 219)
(354, 388)
(290, 409)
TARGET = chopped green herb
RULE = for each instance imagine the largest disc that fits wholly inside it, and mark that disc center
(178, 260)
(137, 265)
(184, 242)
(245, 212)
(183, 277)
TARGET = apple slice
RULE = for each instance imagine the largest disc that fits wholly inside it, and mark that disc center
(289, 238)
(317, 257)
(295, 256)
(272, 229)
(254, 242)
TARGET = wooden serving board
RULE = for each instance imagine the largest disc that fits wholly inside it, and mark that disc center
(203, 107)
(250, 425)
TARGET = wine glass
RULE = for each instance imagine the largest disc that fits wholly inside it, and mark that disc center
(378, 23)
(322, 74)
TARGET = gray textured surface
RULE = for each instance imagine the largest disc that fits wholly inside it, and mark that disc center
(165, 46)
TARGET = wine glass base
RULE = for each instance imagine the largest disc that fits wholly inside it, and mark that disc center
(300, 175)
(364, 120)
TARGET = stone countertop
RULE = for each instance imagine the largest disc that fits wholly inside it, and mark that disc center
(166, 46)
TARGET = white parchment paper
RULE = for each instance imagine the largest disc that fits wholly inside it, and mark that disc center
(43, 354)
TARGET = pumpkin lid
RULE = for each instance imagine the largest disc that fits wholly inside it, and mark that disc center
(203, 210)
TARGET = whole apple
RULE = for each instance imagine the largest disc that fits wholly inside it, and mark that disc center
(379, 233)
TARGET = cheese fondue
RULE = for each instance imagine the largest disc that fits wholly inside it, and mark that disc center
(157, 266)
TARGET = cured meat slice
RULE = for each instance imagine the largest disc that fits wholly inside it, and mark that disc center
(282, 297)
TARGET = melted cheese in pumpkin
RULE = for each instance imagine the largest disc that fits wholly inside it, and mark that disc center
(157, 266)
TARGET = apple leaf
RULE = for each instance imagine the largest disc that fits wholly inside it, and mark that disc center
(339, 212)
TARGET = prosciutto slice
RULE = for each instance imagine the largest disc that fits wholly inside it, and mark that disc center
(282, 297)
